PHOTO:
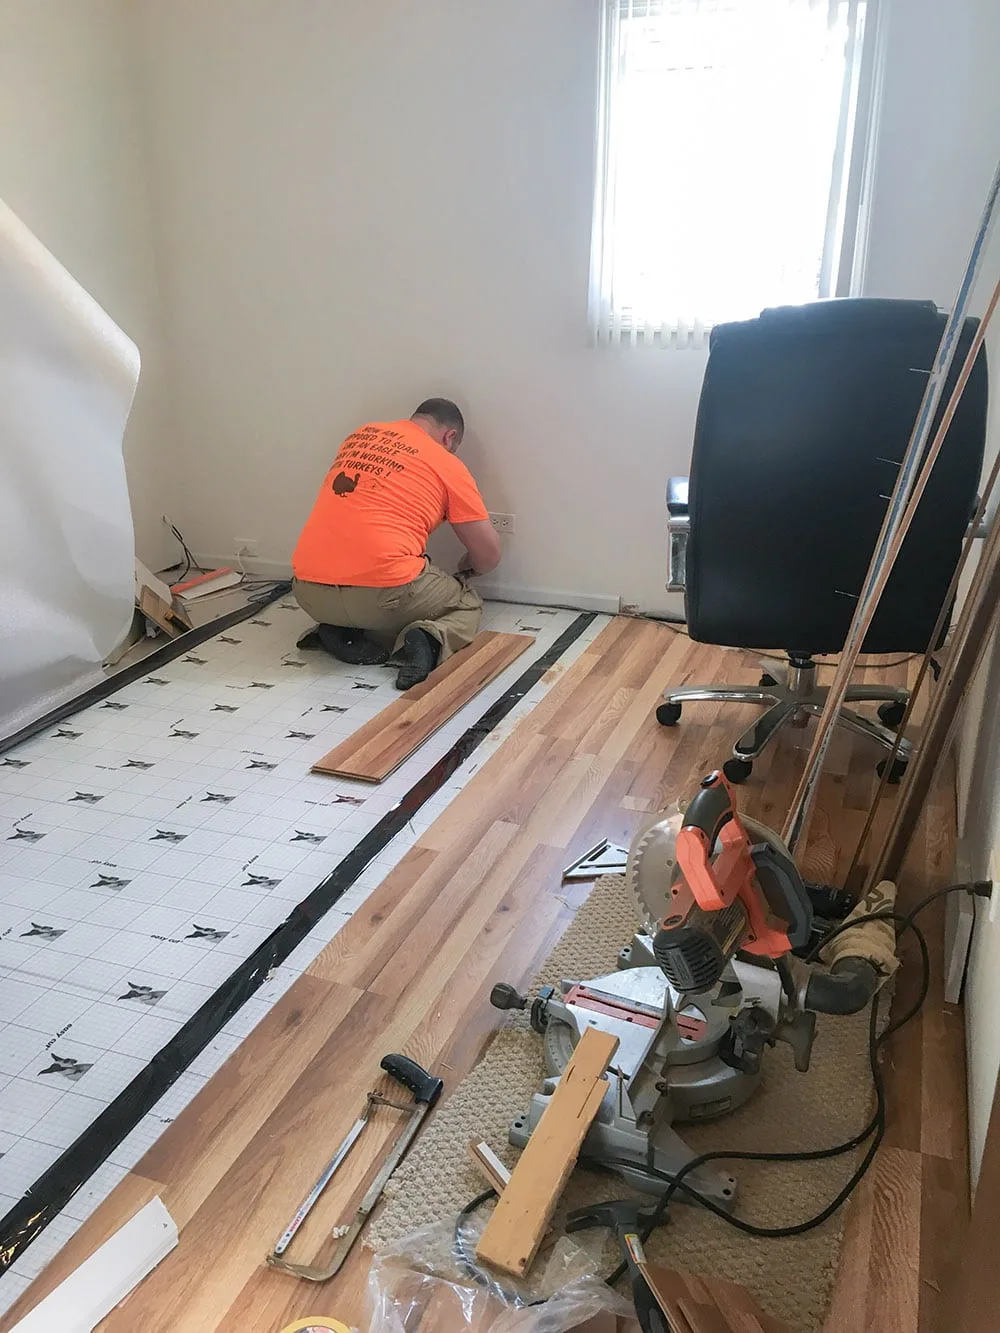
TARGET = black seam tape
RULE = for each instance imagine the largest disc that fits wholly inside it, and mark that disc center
(167, 652)
(56, 1186)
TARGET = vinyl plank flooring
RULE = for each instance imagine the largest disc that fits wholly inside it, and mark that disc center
(380, 746)
(893, 1304)
(479, 899)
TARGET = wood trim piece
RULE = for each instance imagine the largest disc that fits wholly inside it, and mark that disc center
(381, 745)
(515, 1230)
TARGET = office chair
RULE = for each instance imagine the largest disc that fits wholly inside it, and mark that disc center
(804, 416)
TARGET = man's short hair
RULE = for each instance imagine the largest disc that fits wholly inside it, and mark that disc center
(444, 412)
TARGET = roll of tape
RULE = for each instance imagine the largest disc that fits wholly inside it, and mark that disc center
(316, 1324)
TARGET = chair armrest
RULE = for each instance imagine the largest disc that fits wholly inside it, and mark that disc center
(677, 496)
(677, 529)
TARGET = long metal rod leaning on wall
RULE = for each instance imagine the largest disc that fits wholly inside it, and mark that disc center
(972, 537)
(972, 632)
(913, 473)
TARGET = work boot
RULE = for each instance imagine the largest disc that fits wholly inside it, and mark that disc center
(420, 655)
(354, 646)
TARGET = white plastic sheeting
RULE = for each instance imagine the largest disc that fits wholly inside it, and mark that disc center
(67, 379)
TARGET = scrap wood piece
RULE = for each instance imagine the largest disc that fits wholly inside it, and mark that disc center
(381, 745)
(163, 614)
(514, 1232)
(488, 1164)
(707, 1305)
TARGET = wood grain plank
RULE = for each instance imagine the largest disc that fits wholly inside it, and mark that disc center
(894, 1299)
(515, 1229)
(380, 746)
(973, 1297)
(854, 1277)
(944, 1225)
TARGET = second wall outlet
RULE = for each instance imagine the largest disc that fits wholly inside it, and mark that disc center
(248, 546)
(503, 523)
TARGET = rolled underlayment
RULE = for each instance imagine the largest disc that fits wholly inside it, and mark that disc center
(792, 1278)
(68, 376)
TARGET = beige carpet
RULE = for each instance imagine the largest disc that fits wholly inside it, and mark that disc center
(791, 1277)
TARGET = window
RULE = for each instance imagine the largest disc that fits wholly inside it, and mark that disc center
(731, 163)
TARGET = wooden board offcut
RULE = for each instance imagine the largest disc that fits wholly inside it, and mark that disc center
(382, 744)
(707, 1305)
(514, 1232)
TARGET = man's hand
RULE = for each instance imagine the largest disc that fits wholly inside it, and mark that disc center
(482, 545)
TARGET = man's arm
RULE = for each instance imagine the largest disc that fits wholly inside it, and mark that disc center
(482, 544)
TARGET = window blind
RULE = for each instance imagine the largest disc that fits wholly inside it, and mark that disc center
(724, 161)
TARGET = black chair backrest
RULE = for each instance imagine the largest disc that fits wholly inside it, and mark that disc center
(805, 414)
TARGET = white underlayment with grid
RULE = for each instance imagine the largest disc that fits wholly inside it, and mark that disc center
(150, 843)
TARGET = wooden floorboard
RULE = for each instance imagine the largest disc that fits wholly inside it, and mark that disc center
(380, 746)
(479, 899)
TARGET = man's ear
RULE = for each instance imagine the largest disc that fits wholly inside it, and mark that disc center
(450, 440)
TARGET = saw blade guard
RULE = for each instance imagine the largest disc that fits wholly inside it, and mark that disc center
(652, 868)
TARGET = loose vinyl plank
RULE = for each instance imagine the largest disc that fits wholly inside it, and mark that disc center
(380, 746)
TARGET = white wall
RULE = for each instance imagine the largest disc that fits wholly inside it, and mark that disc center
(979, 826)
(364, 204)
(72, 168)
(940, 136)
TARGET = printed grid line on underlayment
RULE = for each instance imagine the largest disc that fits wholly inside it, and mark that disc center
(150, 844)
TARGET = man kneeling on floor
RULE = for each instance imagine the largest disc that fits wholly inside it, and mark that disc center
(361, 567)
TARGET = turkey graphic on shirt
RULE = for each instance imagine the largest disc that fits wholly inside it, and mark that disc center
(343, 484)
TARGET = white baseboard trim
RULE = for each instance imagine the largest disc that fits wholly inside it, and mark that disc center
(497, 592)
(264, 569)
(573, 601)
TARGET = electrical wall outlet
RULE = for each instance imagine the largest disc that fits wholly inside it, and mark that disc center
(503, 523)
(995, 877)
(248, 546)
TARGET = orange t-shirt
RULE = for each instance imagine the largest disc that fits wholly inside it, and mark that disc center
(388, 489)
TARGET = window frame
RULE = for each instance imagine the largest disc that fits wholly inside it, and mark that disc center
(845, 250)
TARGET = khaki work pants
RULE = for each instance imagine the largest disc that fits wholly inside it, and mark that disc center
(435, 601)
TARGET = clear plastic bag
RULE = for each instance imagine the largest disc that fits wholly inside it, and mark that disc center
(430, 1283)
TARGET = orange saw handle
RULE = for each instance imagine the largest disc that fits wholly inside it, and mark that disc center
(711, 818)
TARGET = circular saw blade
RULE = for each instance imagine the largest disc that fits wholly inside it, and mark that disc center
(652, 868)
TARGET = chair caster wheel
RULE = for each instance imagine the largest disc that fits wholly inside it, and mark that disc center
(891, 713)
(668, 715)
(895, 772)
(737, 770)
(766, 680)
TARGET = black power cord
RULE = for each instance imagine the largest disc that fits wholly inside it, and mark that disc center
(189, 561)
(875, 1128)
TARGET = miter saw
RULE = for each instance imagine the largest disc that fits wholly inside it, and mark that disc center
(703, 988)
